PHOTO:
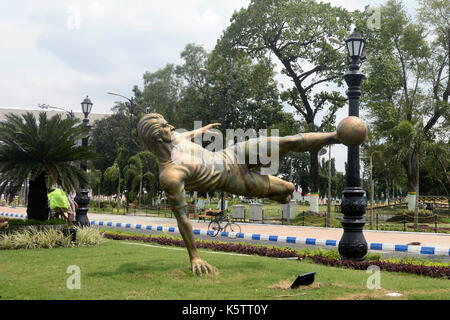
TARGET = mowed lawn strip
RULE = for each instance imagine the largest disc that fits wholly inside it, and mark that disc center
(120, 270)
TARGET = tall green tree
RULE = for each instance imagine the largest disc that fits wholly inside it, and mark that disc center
(39, 150)
(436, 168)
(436, 15)
(109, 138)
(398, 71)
(297, 34)
(161, 93)
(229, 88)
(95, 180)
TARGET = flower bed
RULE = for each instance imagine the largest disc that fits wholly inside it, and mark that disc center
(17, 225)
(277, 252)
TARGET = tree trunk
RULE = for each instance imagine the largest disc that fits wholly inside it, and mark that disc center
(140, 189)
(118, 195)
(314, 181)
(314, 172)
(416, 211)
(37, 208)
(411, 172)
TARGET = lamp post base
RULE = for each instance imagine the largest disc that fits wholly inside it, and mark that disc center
(353, 245)
(82, 199)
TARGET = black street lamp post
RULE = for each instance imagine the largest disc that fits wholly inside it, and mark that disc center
(82, 197)
(353, 245)
(130, 105)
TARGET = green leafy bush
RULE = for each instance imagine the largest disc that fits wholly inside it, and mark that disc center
(417, 262)
(408, 216)
(33, 238)
(31, 222)
(89, 237)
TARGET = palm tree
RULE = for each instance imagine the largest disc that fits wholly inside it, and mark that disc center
(95, 181)
(45, 151)
(112, 180)
(143, 167)
(134, 173)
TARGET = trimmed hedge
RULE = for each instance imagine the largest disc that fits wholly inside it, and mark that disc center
(276, 252)
(435, 272)
(31, 222)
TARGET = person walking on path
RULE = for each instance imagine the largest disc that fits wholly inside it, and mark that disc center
(60, 204)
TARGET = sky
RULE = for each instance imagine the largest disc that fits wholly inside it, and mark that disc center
(57, 52)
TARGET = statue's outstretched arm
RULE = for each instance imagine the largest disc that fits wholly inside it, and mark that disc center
(194, 133)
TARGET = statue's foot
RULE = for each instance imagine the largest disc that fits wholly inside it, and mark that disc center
(200, 267)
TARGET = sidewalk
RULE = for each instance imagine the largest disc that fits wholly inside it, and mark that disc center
(386, 240)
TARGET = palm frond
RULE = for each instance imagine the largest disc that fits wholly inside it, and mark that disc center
(30, 146)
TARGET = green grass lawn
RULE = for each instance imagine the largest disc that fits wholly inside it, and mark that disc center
(116, 270)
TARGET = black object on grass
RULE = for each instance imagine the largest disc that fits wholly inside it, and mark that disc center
(303, 280)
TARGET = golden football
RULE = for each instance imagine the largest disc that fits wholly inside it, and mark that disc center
(352, 131)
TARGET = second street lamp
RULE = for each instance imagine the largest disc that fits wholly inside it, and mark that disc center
(82, 197)
(130, 105)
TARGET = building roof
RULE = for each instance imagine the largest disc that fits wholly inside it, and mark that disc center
(50, 112)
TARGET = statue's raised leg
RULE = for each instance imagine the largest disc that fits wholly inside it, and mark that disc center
(257, 150)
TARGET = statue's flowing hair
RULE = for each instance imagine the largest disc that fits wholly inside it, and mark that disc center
(149, 128)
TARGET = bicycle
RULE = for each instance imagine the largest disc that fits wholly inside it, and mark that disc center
(214, 227)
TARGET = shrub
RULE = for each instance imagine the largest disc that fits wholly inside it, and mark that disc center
(430, 271)
(105, 204)
(32, 238)
(416, 261)
(30, 222)
(89, 236)
(6, 241)
(408, 216)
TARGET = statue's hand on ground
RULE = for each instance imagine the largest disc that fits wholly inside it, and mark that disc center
(200, 267)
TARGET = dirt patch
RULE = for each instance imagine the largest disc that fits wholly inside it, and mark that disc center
(345, 286)
(379, 294)
(177, 274)
(412, 292)
(286, 284)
